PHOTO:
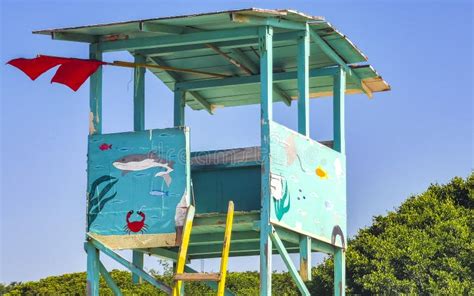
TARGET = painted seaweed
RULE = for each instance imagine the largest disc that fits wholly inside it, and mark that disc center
(97, 201)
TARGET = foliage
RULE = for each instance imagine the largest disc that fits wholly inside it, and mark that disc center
(424, 247)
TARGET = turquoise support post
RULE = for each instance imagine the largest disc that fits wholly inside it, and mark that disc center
(338, 110)
(303, 84)
(95, 95)
(92, 270)
(139, 95)
(138, 125)
(305, 257)
(179, 105)
(339, 145)
(340, 272)
(303, 128)
(137, 260)
(266, 89)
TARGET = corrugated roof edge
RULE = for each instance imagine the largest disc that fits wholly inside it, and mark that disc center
(277, 12)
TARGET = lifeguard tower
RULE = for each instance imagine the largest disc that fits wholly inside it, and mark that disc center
(147, 192)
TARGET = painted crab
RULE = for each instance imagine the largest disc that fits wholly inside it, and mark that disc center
(135, 226)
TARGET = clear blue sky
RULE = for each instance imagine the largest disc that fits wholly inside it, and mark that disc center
(397, 144)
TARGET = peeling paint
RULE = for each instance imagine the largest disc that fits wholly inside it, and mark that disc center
(92, 129)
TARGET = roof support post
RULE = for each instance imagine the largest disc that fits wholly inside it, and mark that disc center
(266, 93)
(303, 84)
(179, 104)
(95, 94)
(338, 110)
(139, 95)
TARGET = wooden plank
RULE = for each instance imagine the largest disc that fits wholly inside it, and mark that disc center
(289, 264)
(249, 80)
(338, 110)
(147, 277)
(181, 40)
(226, 249)
(197, 277)
(109, 280)
(95, 94)
(266, 89)
(210, 284)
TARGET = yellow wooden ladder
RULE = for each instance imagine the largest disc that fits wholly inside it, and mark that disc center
(220, 277)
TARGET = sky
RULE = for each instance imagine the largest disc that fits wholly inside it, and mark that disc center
(397, 143)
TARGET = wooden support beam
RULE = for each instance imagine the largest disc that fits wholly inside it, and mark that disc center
(77, 37)
(197, 97)
(197, 277)
(289, 264)
(338, 111)
(340, 272)
(92, 269)
(179, 105)
(147, 277)
(95, 95)
(137, 260)
(160, 252)
(179, 40)
(294, 237)
(109, 280)
(303, 84)
(211, 284)
(266, 92)
(161, 28)
(223, 45)
(249, 80)
(139, 95)
(305, 258)
(337, 59)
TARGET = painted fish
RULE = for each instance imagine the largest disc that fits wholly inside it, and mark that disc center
(105, 146)
(159, 193)
(141, 162)
(321, 173)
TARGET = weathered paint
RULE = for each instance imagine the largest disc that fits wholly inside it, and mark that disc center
(179, 105)
(266, 75)
(138, 185)
(312, 200)
(95, 95)
(305, 258)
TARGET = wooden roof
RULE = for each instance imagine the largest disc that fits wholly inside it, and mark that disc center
(224, 57)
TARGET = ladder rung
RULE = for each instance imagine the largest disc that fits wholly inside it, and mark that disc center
(198, 276)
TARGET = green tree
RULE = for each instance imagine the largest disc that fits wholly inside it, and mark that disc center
(424, 247)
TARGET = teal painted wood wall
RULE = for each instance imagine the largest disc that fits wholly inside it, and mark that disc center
(144, 172)
(307, 186)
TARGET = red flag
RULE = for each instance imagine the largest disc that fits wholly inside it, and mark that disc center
(75, 72)
(72, 72)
